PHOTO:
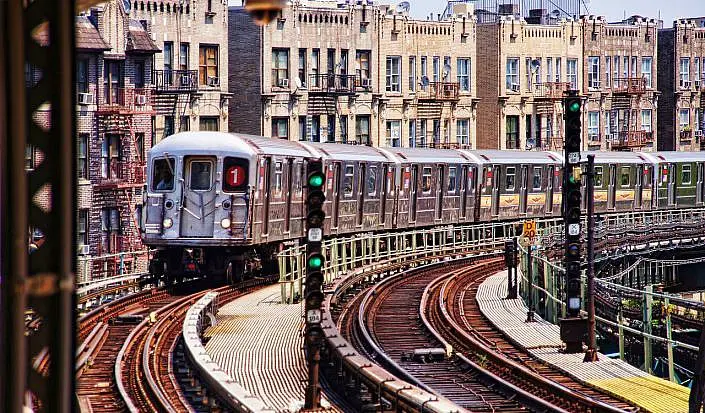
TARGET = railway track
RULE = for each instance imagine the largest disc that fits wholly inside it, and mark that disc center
(125, 359)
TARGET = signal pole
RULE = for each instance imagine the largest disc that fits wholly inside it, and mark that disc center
(315, 217)
(573, 327)
(591, 353)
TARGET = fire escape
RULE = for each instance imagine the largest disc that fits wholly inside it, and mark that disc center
(626, 135)
(174, 89)
(700, 129)
(324, 92)
(546, 97)
(122, 173)
(431, 98)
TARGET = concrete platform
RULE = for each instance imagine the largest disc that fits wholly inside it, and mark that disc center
(258, 342)
(542, 340)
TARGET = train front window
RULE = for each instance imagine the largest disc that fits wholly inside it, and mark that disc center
(511, 178)
(598, 177)
(200, 175)
(625, 176)
(163, 174)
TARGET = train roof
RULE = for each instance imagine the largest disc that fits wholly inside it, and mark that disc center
(690, 156)
(511, 156)
(203, 143)
(273, 146)
(626, 157)
(422, 155)
(343, 152)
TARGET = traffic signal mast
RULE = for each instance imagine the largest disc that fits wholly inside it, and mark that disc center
(315, 217)
(573, 327)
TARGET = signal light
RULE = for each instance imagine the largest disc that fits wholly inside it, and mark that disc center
(315, 261)
(574, 105)
(573, 251)
(316, 179)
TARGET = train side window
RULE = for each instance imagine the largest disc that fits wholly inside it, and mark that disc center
(348, 180)
(278, 178)
(426, 177)
(686, 175)
(511, 178)
(537, 177)
(163, 175)
(372, 181)
(296, 179)
(391, 175)
(625, 176)
(452, 179)
(598, 177)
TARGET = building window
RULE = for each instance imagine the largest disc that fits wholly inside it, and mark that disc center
(464, 74)
(362, 65)
(139, 145)
(82, 75)
(168, 125)
(168, 53)
(331, 61)
(696, 63)
(594, 72)
(646, 63)
(625, 67)
(513, 74)
(634, 63)
(82, 227)
(208, 65)
(412, 133)
(185, 124)
(344, 128)
(209, 123)
(330, 135)
(593, 126)
(463, 131)
(302, 66)
(686, 175)
(423, 130)
(424, 70)
(436, 131)
(412, 73)
(110, 157)
(83, 155)
(512, 132)
(608, 126)
(436, 69)
(573, 73)
(393, 74)
(280, 128)
(646, 120)
(344, 67)
(139, 74)
(280, 68)
(302, 128)
(315, 128)
(29, 158)
(608, 72)
(616, 70)
(112, 81)
(685, 73)
(549, 68)
(183, 56)
(362, 129)
(558, 70)
(684, 119)
(394, 133)
(110, 228)
(315, 66)
(527, 67)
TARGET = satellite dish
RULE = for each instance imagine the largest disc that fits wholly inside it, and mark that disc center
(298, 82)
(555, 14)
(424, 81)
(446, 71)
(403, 7)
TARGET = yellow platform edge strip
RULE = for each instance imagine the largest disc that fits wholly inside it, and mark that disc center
(652, 394)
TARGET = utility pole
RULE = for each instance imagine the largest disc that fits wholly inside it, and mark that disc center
(591, 353)
(530, 277)
(509, 260)
(697, 390)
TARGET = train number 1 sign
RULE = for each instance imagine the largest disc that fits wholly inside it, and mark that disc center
(235, 175)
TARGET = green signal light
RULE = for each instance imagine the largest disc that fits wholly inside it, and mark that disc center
(315, 262)
(316, 180)
(574, 106)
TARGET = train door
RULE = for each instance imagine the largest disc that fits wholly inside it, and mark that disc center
(671, 184)
(383, 195)
(463, 192)
(198, 202)
(639, 187)
(612, 187)
(413, 195)
(474, 194)
(440, 188)
(266, 194)
(699, 185)
(549, 189)
(495, 189)
(336, 195)
(362, 178)
(288, 182)
(523, 189)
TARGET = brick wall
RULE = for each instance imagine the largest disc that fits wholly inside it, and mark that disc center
(244, 73)
(666, 84)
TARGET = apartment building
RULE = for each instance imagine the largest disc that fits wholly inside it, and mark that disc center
(354, 73)
(525, 70)
(681, 78)
(190, 72)
(620, 84)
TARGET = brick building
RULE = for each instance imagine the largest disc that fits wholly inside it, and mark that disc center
(365, 74)
(525, 70)
(620, 82)
(681, 81)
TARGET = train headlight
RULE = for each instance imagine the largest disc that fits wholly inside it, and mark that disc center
(225, 223)
(167, 223)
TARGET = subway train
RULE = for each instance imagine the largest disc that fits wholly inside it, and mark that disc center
(224, 204)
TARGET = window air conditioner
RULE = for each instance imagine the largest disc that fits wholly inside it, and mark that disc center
(85, 98)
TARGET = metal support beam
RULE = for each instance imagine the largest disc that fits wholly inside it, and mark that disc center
(648, 351)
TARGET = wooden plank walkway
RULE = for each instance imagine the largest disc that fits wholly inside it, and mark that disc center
(258, 342)
(542, 340)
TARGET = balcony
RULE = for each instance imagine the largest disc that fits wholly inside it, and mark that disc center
(125, 100)
(631, 139)
(175, 81)
(630, 86)
(120, 174)
(550, 90)
(441, 91)
(332, 84)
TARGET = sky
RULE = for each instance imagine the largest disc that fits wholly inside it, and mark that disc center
(614, 10)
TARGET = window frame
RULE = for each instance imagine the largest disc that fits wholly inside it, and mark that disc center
(510, 171)
(278, 72)
(622, 174)
(83, 226)
(412, 73)
(349, 178)
(393, 80)
(276, 123)
(594, 72)
(426, 179)
(463, 73)
(361, 136)
(647, 75)
(83, 155)
(278, 181)
(512, 77)
(205, 120)
(462, 125)
(204, 65)
(184, 55)
(82, 82)
(689, 182)
(452, 179)
(572, 76)
(599, 177)
(168, 160)
(540, 178)
(371, 179)
(393, 125)
(210, 173)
